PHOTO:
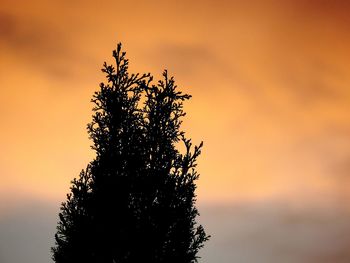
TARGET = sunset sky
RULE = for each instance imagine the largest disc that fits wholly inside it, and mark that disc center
(270, 82)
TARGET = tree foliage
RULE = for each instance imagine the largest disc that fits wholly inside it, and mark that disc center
(135, 202)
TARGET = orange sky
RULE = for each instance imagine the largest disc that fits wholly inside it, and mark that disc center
(270, 82)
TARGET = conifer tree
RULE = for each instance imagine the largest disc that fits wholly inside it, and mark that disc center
(135, 202)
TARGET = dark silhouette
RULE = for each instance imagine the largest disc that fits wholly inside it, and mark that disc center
(135, 201)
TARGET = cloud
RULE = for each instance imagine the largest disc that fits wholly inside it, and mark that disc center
(27, 234)
(265, 232)
(310, 81)
(41, 45)
(29, 36)
(276, 232)
(6, 26)
(190, 60)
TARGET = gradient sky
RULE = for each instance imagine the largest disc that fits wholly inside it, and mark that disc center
(271, 99)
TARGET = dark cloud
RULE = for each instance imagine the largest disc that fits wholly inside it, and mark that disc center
(312, 82)
(181, 59)
(203, 68)
(336, 10)
(190, 60)
(306, 84)
(29, 36)
(6, 26)
(41, 45)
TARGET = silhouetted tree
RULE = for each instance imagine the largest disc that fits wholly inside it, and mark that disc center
(135, 202)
